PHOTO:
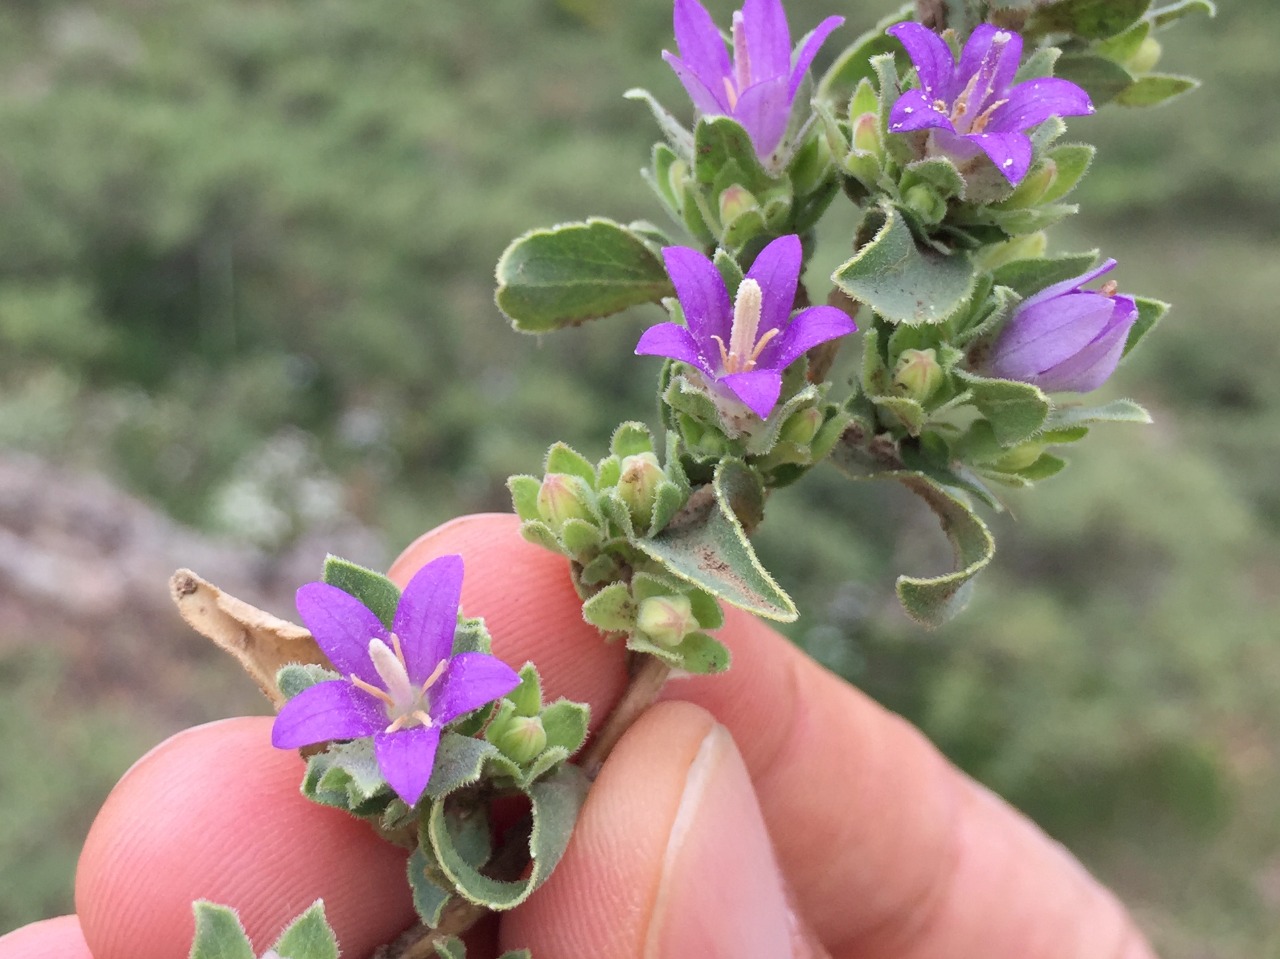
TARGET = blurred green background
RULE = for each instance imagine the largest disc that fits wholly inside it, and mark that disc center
(246, 276)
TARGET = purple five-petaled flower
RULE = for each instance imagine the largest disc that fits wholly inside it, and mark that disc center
(742, 346)
(1065, 339)
(400, 686)
(974, 105)
(759, 86)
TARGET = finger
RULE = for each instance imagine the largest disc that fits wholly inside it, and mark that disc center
(670, 857)
(215, 813)
(890, 849)
(59, 938)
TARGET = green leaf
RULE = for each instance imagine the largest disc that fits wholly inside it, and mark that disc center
(679, 137)
(373, 589)
(1163, 16)
(710, 548)
(721, 142)
(219, 934)
(555, 803)
(450, 948)
(430, 889)
(524, 495)
(1124, 45)
(902, 282)
(1087, 19)
(581, 538)
(1015, 410)
(1045, 466)
(459, 762)
(353, 767)
(1150, 312)
(1101, 78)
(1073, 161)
(631, 438)
(1028, 277)
(293, 678)
(562, 458)
(1155, 88)
(565, 723)
(1117, 411)
(703, 655)
(853, 64)
(901, 412)
(932, 601)
(611, 610)
(308, 937)
(558, 277)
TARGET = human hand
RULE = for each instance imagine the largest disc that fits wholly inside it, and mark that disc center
(770, 811)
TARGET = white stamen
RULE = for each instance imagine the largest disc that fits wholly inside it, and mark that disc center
(391, 668)
(744, 349)
(741, 57)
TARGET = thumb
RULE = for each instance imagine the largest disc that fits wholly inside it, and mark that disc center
(669, 858)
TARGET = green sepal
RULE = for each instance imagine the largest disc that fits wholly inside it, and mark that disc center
(429, 887)
(710, 549)
(901, 412)
(903, 282)
(611, 610)
(293, 678)
(1173, 12)
(1017, 411)
(1150, 312)
(460, 762)
(565, 723)
(932, 601)
(308, 937)
(631, 438)
(938, 172)
(1028, 277)
(555, 803)
(1154, 89)
(1086, 19)
(852, 65)
(524, 495)
(677, 135)
(219, 934)
(720, 142)
(1073, 161)
(580, 538)
(373, 589)
(1124, 45)
(540, 534)
(1117, 411)
(552, 278)
(562, 458)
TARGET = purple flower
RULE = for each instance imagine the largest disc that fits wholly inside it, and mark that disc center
(970, 106)
(1065, 338)
(401, 686)
(743, 346)
(759, 86)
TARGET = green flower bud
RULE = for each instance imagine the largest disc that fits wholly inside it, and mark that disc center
(926, 202)
(666, 620)
(802, 426)
(561, 498)
(638, 486)
(1146, 56)
(521, 739)
(1034, 184)
(527, 697)
(735, 201)
(866, 134)
(1020, 457)
(917, 374)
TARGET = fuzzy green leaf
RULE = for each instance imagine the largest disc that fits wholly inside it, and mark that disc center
(429, 895)
(1150, 312)
(562, 458)
(1087, 19)
(565, 723)
(450, 948)
(373, 589)
(1154, 89)
(720, 142)
(558, 277)
(901, 281)
(852, 65)
(459, 762)
(1117, 411)
(293, 678)
(1101, 78)
(1073, 161)
(1028, 277)
(1015, 410)
(219, 934)
(679, 137)
(308, 937)
(611, 610)
(702, 654)
(1172, 12)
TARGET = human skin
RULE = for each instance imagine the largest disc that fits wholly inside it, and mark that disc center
(773, 810)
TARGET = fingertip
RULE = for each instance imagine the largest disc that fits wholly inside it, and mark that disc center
(215, 813)
(529, 605)
(60, 938)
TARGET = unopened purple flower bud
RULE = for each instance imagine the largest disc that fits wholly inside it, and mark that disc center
(666, 620)
(1065, 339)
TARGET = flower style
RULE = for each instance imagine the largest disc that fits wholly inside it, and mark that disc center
(401, 686)
(758, 88)
(743, 346)
(1065, 338)
(970, 106)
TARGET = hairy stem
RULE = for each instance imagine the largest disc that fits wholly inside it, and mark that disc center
(646, 682)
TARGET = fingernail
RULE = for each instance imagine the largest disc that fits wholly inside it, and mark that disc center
(722, 892)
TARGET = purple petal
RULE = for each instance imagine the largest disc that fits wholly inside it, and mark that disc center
(701, 292)
(708, 97)
(701, 46)
(1089, 368)
(808, 50)
(934, 63)
(469, 681)
(764, 110)
(777, 270)
(1068, 286)
(1039, 338)
(428, 615)
(808, 328)
(1010, 152)
(673, 341)
(993, 55)
(915, 111)
(1035, 101)
(406, 758)
(342, 627)
(758, 389)
(332, 710)
(768, 39)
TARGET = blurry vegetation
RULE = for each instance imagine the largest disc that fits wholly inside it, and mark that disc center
(253, 241)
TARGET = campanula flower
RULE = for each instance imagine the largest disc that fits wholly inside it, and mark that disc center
(1065, 338)
(742, 346)
(974, 105)
(400, 686)
(759, 85)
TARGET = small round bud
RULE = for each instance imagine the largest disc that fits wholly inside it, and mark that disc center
(917, 374)
(522, 739)
(562, 498)
(802, 426)
(735, 201)
(638, 486)
(1020, 457)
(925, 201)
(866, 134)
(666, 620)
(1146, 56)
(1034, 184)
